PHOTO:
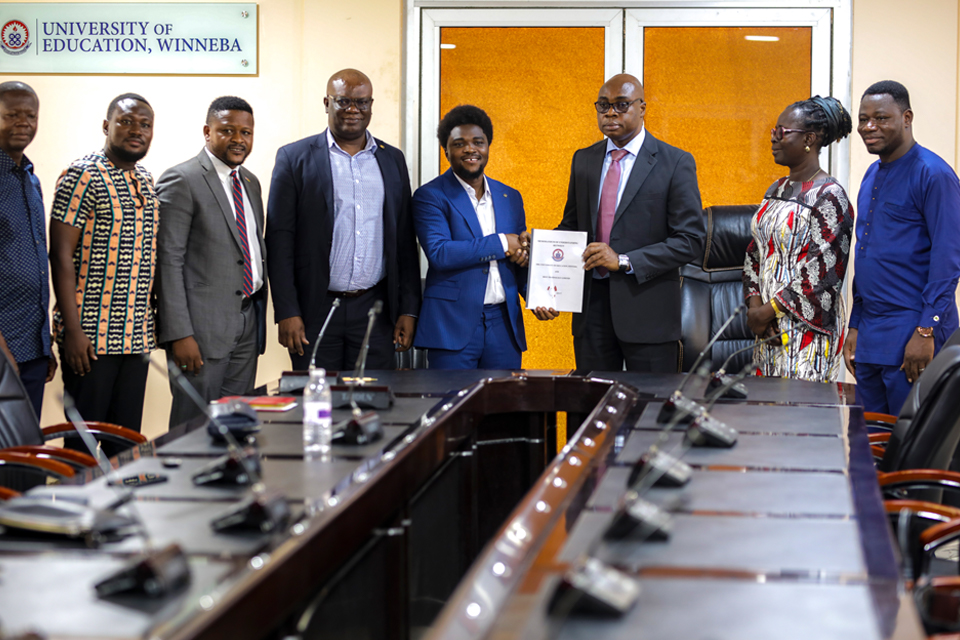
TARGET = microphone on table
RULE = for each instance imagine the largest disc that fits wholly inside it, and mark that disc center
(677, 398)
(295, 380)
(739, 391)
(154, 572)
(361, 428)
(263, 510)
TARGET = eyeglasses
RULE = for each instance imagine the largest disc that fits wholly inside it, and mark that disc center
(362, 104)
(778, 132)
(620, 107)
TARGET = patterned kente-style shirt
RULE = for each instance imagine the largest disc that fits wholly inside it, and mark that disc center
(116, 211)
(801, 241)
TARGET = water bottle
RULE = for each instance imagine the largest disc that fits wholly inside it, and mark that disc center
(317, 421)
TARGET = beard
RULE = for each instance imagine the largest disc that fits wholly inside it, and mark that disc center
(128, 156)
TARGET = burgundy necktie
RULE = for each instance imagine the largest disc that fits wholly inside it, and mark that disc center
(608, 201)
(242, 230)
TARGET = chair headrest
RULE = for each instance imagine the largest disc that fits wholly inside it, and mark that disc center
(728, 234)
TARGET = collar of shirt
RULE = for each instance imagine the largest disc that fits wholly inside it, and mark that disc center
(632, 147)
(222, 168)
(371, 144)
(7, 164)
(472, 192)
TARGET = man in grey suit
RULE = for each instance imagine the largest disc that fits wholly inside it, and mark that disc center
(211, 275)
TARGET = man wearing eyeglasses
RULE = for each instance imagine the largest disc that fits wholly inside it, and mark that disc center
(638, 200)
(339, 227)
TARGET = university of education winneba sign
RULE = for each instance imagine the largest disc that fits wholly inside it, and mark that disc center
(136, 38)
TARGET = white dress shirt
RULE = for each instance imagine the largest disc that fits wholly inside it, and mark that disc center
(488, 224)
(256, 258)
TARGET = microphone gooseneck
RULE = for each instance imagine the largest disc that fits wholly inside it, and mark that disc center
(364, 349)
(779, 336)
(323, 330)
(716, 336)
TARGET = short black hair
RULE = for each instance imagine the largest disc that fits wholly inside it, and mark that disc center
(15, 86)
(125, 96)
(228, 103)
(891, 88)
(826, 117)
(461, 115)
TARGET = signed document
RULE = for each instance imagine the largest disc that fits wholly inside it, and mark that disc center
(555, 271)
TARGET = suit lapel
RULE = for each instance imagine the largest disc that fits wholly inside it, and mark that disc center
(595, 157)
(500, 213)
(642, 166)
(461, 202)
(256, 201)
(324, 185)
(216, 187)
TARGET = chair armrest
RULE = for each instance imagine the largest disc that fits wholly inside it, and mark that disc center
(942, 511)
(6, 494)
(105, 430)
(879, 438)
(883, 418)
(76, 459)
(878, 452)
(920, 478)
(26, 460)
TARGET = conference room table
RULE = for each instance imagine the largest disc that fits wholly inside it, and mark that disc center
(461, 522)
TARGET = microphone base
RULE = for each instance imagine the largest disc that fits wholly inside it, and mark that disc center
(596, 589)
(737, 391)
(706, 431)
(676, 403)
(672, 472)
(155, 574)
(360, 429)
(230, 470)
(264, 512)
(640, 519)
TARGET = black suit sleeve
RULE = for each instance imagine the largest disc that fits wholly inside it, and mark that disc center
(685, 222)
(281, 236)
(407, 255)
(570, 221)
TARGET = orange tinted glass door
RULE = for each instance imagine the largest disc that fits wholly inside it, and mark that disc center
(538, 86)
(717, 91)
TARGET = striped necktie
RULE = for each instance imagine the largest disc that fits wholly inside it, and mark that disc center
(242, 230)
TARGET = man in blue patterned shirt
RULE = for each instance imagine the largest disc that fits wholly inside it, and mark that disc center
(24, 289)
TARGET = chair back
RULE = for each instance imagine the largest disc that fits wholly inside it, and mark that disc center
(18, 422)
(919, 389)
(712, 288)
(930, 438)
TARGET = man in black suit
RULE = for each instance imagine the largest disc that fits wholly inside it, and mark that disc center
(339, 226)
(638, 200)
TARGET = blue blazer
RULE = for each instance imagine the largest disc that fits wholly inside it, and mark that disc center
(299, 233)
(459, 258)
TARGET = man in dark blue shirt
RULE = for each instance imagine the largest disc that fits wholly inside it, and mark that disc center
(24, 288)
(907, 254)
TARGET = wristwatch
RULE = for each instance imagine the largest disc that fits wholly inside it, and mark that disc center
(626, 266)
(925, 332)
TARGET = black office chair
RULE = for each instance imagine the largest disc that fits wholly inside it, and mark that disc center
(713, 287)
(25, 461)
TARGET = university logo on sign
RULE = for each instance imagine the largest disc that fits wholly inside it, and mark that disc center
(14, 38)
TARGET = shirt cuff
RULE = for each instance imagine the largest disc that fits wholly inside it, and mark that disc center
(930, 317)
(503, 242)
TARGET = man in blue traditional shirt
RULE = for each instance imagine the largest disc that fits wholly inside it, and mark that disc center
(24, 288)
(907, 254)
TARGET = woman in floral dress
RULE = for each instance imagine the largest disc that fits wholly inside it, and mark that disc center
(802, 235)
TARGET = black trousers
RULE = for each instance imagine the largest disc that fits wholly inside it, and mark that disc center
(341, 344)
(112, 391)
(599, 349)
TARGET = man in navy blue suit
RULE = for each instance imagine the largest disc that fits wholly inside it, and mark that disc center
(339, 226)
(473, 230)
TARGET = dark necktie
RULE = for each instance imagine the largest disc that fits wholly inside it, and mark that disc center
(608, 201)
(242, 230)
